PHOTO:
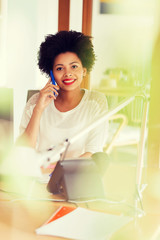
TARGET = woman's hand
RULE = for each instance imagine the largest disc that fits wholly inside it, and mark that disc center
(46, 96)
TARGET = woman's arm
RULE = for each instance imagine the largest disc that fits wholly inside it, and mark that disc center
(98, 135)
(29, 137)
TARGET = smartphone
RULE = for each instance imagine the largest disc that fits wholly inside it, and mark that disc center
(53, 80)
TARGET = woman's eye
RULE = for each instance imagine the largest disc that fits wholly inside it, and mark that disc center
(74, 66)
(59, 68)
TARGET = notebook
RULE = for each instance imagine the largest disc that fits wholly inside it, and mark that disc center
(82, 224)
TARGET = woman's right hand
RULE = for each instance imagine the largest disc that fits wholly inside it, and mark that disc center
(46, 96)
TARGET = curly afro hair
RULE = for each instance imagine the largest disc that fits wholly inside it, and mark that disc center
(65, 41)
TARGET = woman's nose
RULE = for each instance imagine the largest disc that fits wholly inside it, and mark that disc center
(67, 74)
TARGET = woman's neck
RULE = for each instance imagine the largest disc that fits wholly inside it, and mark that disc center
(68, 100)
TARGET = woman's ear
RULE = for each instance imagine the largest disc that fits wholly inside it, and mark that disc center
(84, 72)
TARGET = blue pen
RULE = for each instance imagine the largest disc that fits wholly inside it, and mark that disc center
(53, 81)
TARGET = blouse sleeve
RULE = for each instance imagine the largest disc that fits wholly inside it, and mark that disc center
(97, 137)
(27, 113)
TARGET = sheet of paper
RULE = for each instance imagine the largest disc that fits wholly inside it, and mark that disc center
(84, 224)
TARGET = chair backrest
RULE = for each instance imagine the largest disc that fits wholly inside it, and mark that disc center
(31, 93)
(6, 103)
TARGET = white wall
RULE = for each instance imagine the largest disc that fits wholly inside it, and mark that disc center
(3, 34)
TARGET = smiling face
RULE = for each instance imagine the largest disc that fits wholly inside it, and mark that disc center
(68, 71)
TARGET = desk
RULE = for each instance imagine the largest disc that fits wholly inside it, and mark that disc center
(19, 219)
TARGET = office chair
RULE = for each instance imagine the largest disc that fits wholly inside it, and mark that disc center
(30, 93)
(112, 142)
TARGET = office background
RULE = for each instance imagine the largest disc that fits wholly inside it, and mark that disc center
(123, 39)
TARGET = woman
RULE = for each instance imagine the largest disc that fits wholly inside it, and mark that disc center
(59, 111)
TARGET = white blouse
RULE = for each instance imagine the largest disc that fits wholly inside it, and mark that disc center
(56, 126)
